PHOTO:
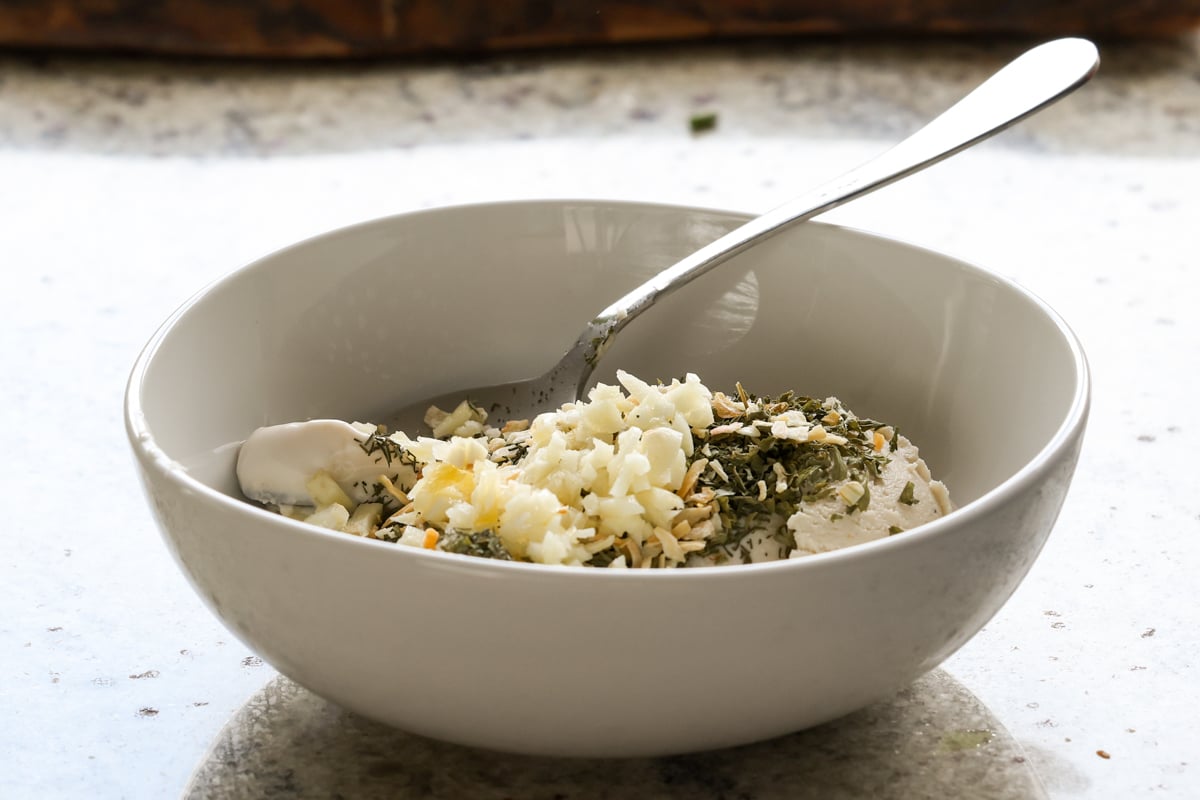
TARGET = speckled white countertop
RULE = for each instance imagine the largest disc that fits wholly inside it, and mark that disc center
(125, 186)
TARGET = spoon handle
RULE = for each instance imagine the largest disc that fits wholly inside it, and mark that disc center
(1028, 84)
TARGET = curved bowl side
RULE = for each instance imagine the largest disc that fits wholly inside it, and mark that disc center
(563, 661)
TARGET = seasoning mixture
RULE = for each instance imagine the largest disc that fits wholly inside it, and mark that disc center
(637, 476)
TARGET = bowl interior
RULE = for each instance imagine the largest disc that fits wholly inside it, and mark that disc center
(357, 323)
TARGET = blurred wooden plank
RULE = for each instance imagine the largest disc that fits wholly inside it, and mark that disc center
(348, 28)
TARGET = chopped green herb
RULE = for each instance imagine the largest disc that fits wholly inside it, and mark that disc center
(865, 501)
(388, 448)
(376, 493)
(702, 123)
(906, 496)
(812, 470)
(604, 557)
(485, 544)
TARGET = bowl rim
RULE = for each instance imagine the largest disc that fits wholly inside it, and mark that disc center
(151, 456)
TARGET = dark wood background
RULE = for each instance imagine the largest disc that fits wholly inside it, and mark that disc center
(350, 28)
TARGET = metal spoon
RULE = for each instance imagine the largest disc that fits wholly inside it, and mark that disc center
(1025, 86)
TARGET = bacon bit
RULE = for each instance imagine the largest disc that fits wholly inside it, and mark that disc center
(630, 545)
(431, 539)
(718, 469)
(1103, 754)
(703, 530)
(514, 425)
(781, 430)
(879, 441)
(596, 544)
(404, 510)
(692, 515)
(693, 474)
(726, 407)
(682, 529)
(651, 548)
(669, 544)
(393, 490)
(781, 479)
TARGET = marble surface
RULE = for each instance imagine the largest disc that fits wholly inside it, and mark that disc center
(129, 184)
(931, 740)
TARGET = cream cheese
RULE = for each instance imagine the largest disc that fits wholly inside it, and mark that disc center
(276, 463)
(818, 527)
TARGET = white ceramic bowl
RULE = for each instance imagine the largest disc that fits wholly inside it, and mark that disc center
(552, 660)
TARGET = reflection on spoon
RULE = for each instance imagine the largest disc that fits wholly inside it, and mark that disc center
(934, 739)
